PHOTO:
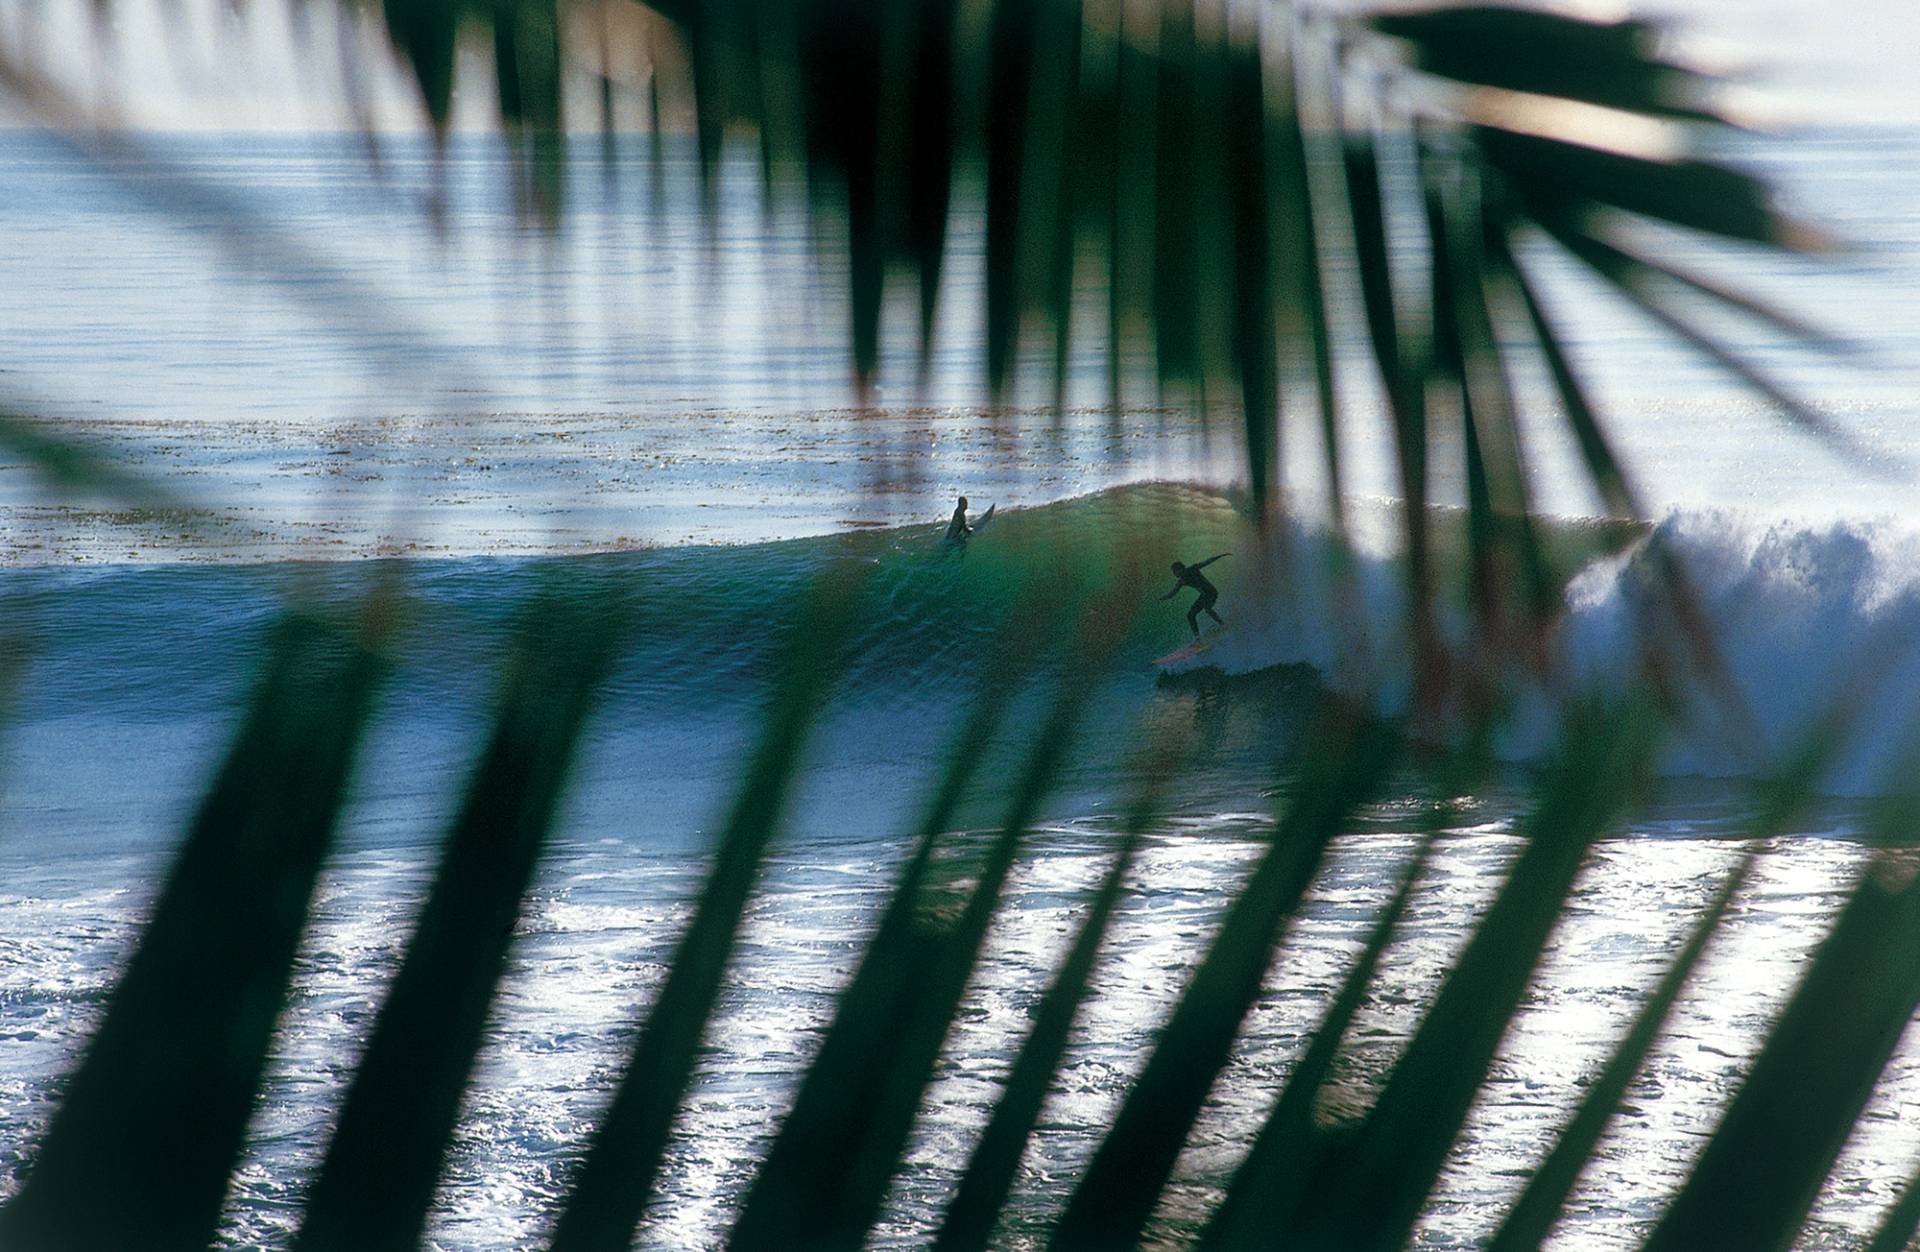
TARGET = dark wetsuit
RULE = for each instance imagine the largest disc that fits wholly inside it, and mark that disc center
(1190, 576)
(957, 529)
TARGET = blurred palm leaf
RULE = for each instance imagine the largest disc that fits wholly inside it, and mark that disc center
(1371, 1185)
(378, 1178)
(65, 463)
(1179, 146)
(615, 1180)
(825, 1174)
(1344, 763)
(1270, 1182)
(1360, 1184)
(1533, 1214)
(1786, 1125)
(187, 1031)
(1170, 146)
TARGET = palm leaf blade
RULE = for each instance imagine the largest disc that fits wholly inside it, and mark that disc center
(988, 1178)
(826, 1173)
(376, 1183)
(614, 1180)
(1269, 1184)
(187, 1030)
(1373, 1187)
(1758, 1175)
(1115, 1196)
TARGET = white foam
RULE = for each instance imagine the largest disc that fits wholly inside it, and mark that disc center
(1802, 611)
(1803, 614)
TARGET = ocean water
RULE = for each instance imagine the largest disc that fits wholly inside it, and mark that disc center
(317, 375)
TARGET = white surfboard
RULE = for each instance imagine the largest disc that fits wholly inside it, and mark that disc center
(974, 527)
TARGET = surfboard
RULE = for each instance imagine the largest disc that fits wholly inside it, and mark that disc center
(1196, 648)
(975, 525)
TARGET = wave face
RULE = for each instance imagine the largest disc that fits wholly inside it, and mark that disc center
(705, 623)
(138, 673)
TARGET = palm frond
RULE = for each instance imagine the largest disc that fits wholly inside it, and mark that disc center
(989, 1176)
(1174, 152)
(1782, 801)
(611, 1188)
(1615, 63)
(1160, 148)
(187, 1030)
(1372, 1186)
(1616, 268)
(1787, 1123)
(827, 1170)
(1345, 760)
(1271, 1182)
(375, 1185)
(65, 463)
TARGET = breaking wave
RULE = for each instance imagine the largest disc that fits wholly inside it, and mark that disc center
(146, 659)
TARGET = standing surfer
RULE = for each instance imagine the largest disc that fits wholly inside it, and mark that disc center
(1190, 576)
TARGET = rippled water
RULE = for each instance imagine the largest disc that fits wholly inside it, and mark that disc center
(591, 946)
(315, 378)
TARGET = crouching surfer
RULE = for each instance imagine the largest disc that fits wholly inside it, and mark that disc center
(1190, 576)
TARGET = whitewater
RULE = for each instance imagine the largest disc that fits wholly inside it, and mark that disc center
(707, 483)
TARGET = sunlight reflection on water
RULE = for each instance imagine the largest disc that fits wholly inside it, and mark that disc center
(592, 946)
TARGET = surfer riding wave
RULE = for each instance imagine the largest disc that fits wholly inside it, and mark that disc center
(1190, 576)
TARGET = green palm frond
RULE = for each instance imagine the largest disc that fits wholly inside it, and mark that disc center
(1177, 154)
(1538, 1207)
(376, 1183)
(1270, 1183)
(64, 462)
(989, 1177)
(186, 1034)
(1243, 182)
(207, 976)
(1344, 763)
(614, 1182)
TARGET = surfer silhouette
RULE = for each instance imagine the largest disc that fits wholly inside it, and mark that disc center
(1190, 576)
(957, 529)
